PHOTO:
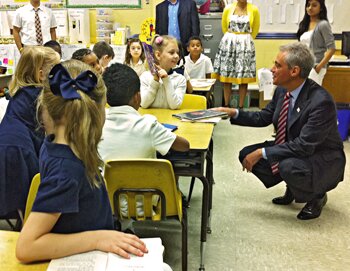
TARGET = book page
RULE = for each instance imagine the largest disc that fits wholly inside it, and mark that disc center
(151, 261)
(89, 261)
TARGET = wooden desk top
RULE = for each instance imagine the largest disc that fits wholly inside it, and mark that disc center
(198, 134)
(8, 261)
(339, 68)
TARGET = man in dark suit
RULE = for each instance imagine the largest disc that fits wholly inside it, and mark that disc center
(311, 159)
(184, 25)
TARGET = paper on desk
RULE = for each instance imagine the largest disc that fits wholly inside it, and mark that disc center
(89, 261)
(202, 83)
(209, 120)
(101, 261)
(151, 261)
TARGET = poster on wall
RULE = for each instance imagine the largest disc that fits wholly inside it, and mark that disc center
(104, 3)
(14, 4)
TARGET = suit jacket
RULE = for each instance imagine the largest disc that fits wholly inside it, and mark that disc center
(312, 132)
(187, 16)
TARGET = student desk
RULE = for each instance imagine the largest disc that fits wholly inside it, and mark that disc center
(337, 82)
(199, 136)
(8, 261)
(5, 80)
(206, 90)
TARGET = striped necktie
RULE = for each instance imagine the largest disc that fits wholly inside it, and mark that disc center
(281, 127)
(39, 35)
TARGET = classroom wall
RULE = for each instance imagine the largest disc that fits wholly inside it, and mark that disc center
(127, 17)
(267, 50)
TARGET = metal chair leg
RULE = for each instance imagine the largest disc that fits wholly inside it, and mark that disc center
(201, 267)
(190, 191)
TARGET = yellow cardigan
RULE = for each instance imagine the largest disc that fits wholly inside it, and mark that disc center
(253, 13)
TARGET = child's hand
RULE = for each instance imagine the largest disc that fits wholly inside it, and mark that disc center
(161, 72)
(120, 243)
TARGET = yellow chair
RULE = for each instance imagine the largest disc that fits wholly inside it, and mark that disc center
(34, 186)
(145, 178)
(192, 101)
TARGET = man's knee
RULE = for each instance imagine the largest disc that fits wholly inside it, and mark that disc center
(291, 168)
(242, 154)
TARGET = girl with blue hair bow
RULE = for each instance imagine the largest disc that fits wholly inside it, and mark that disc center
(71, 213)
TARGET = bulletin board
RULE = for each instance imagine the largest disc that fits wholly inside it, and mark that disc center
(283, 16)
(103, 3)
(14, 4)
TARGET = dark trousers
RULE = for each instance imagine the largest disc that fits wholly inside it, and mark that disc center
(295, 172)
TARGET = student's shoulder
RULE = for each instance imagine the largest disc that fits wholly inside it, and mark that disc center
(205, 58)
(323, 24)
(146, 75)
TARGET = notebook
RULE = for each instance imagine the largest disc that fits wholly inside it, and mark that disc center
(200, 114)
(171, 127)
(150, 58)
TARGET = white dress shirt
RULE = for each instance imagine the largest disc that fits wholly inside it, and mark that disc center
(25, 20)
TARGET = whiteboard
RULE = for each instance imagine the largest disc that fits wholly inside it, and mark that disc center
(104, 3)
(283, 16)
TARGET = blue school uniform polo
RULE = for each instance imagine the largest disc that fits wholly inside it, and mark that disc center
(65, 189)
(20, 142)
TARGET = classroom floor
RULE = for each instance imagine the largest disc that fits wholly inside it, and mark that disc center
(249, 233)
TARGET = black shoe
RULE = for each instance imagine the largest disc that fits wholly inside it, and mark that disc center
(286, 199)
(313, 208)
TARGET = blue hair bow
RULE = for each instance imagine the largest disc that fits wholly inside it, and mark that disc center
(62, 84)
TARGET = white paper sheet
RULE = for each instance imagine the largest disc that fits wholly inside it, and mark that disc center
(266, 83)
(269, 14)
(283, 13)
(330, 12)
(151, 261)
(295, 13)
(101, 261)
(89, 261)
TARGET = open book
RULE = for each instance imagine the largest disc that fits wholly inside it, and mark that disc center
(200, 114)
(102, 261)
(150, 58)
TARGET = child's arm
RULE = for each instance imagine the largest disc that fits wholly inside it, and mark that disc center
(36, 243)
(208, 68)
(189, 87)
(180, 144)
(149, 89)
(175, 92)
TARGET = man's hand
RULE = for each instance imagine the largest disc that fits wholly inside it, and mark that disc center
(251, 159)
(231, 112)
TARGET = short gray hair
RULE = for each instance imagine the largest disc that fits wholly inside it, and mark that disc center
(298, 54)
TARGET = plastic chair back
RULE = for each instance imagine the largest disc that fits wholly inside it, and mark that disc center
(192, 101)
(141, 177)
(31, 195)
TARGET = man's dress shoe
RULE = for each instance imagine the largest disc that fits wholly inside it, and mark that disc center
(313, 208)
(286, 199)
